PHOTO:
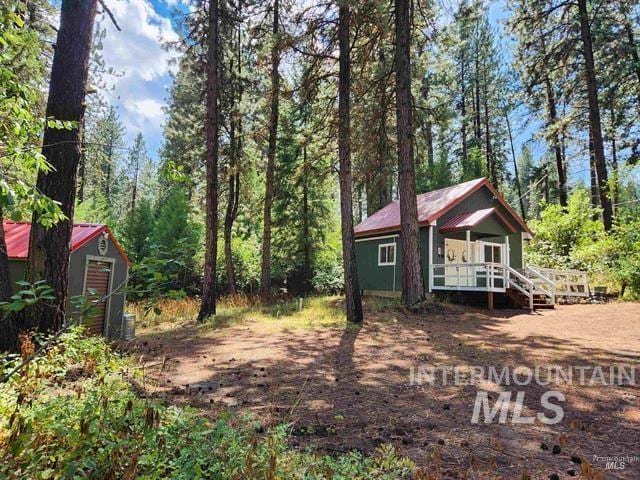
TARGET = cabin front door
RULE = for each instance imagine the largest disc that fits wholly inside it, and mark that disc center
(456, 254)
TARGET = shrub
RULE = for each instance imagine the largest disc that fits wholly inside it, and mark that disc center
(72, 414)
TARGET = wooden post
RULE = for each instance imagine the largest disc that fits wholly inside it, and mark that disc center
(490, 300)
(430, 260)
(469, 259)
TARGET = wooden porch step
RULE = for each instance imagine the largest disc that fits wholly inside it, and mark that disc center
(519, 299)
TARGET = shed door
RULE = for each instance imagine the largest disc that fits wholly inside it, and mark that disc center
(97, 286)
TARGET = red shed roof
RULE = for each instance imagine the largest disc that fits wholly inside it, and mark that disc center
(17, 238)
(431, 206)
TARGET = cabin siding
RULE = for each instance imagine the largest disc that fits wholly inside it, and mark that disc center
(373, 277)
(378, 277)
(77, 266)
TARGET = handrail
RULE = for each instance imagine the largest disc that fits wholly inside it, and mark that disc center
(567, 282)
(546, 280)
(527, 281)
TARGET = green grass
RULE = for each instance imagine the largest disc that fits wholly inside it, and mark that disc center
(74, 414)
(316, 312)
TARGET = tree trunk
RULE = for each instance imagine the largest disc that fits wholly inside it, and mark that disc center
(594, 115)
(553, 117)
(515, 168)
(476, 99)
(463, 109)
(615, 184)
(412, 284)
(265, 286)
(353, 302)
(209, 287)
(593, 176)
(49, 247)
(5, 277)
(235, 141)
(134, 190)
(306, 234)
(231, 206)
(8, 326)
(491, 160)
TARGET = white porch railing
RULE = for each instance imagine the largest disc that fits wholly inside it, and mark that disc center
(477, 277)
(568, 283)
(491, 277)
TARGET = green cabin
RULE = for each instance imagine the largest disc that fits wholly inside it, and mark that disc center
(471, 240)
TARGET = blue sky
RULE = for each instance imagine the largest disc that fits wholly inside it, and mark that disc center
(144, 68)
(136, 52)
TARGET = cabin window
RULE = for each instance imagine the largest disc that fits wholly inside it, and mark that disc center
(387, 254)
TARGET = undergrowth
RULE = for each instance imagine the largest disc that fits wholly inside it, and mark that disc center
(73, 414)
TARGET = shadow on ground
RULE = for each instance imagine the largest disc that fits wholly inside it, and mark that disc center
(350, 388)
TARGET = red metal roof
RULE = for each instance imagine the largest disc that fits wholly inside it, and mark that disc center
(466, 220)
(17, 237)
(431, 206)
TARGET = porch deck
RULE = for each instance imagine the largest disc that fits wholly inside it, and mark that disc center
(530, 288)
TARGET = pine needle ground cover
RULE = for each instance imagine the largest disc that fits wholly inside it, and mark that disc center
(73, 413)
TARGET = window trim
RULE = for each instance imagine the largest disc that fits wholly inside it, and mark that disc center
(387, 263)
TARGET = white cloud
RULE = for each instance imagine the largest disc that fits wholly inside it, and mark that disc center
(136, 53)
(149, 108)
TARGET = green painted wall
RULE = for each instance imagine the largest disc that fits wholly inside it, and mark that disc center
(378, 277)
(374, 277)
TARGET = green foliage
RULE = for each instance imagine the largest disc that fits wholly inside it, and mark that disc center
(20, 123)
(177, 237)
(136, 232)
(95, 209)
(575, 238)
(475, 166)
(558, 233)
(29, 294)
(74, 415)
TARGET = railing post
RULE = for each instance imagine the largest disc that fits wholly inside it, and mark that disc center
(531, 286)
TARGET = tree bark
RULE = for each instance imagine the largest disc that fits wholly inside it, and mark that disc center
(491, 160)
(553, 118)
(5, 277)
(594, 115)
(476, 98)
(593, 176)
(209, 287)
(515, 168)
(412, 284)
(8, 326)
(463, 108)
(306, 234)
(265, 286)
(615, 184)
(353, 302)
(235, 140)
(49, 247)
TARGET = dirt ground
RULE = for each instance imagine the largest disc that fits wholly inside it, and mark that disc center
(350, 388)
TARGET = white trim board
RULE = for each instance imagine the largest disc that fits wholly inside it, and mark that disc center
(112, 261)
(369, 239)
